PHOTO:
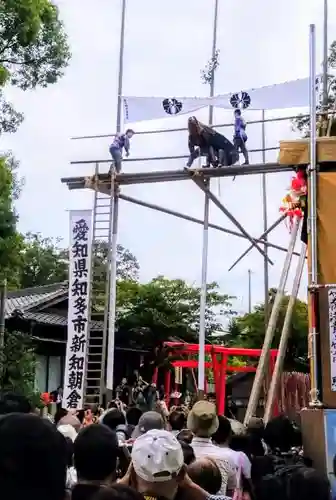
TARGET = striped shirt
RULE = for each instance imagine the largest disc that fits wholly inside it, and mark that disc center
(203, 447)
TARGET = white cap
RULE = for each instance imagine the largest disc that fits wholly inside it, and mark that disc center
(157, 456)
(68, 431)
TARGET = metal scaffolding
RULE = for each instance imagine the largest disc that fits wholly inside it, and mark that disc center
(107, 188)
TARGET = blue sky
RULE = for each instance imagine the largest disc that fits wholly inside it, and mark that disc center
(167, 43)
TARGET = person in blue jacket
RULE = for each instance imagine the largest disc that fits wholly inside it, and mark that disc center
(240, 136)
(120, 143)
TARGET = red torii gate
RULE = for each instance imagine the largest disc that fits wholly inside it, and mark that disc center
(219, 365)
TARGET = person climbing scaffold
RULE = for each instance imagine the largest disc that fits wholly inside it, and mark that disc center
(240, 136)
(120, 143)
(205, 141)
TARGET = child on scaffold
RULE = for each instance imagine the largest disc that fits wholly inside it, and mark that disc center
(240, 136)
(119, 143)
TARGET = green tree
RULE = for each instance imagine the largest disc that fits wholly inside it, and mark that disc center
(43, 261)
(302, 122)
(11, 242)
(207, 74)
(249, 331)
(149, 314)
(33, 51)
(127, 270)
(127, 264)
(19, 365)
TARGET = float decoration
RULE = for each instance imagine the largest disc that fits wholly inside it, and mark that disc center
(294, 203)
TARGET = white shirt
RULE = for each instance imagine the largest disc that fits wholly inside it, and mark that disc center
(203, 447)
(239, 459)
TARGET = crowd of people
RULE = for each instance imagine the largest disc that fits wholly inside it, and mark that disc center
(202, 141)
(127, 454)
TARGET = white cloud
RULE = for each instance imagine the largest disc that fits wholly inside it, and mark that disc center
(167, 43)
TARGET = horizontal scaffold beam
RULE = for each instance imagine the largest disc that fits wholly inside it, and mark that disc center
(179, 175)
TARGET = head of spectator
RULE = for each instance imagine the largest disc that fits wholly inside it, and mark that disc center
(188, 452)
(255, 431)
(96, 451)
(294, 482)
(205, 472)
(223, 434)
(177, 420)
(185, 435)
(307, 483)
(202, 419)
(112, 418)
(11, 402)
(148, 421)
(241, 442)
(133, 415)
(157, 460)
(60, 413)
(70, 419)
(33, 458)
(280, 434)
(256, 425)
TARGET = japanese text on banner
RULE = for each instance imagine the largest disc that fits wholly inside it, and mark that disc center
(78, 311)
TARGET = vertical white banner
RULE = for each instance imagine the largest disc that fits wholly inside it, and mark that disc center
(78, 309)
(332, 336)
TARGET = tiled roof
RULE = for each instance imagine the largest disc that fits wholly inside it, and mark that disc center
(28, 298)
(55, 319)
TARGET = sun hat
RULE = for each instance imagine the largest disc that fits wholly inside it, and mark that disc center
(202, 419)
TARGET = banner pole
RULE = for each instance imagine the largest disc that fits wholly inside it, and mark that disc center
(203, 297)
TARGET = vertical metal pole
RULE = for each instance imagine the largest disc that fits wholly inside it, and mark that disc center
(3, 296)
(113, 288)
(121, 64)
(325, 57)
(264, 356)
(249, 291)
(285, 335)
(312, 192)
(265, 221)
(214, 44)
(203, 298)
(115, 201)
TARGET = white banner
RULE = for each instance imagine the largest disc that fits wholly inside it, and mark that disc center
(78, 308)
(292, 94)
(332, 336)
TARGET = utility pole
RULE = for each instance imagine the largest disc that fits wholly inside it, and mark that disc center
(249, 291)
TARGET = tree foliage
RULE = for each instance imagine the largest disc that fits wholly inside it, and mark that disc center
(43, 261)
(19, 365)
(127, 264)
(166, 309)
(249, 331)
(302, 122)
(33, 50)
(11, 242)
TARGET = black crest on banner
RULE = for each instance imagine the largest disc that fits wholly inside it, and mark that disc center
(172, 106)
(240, 100)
